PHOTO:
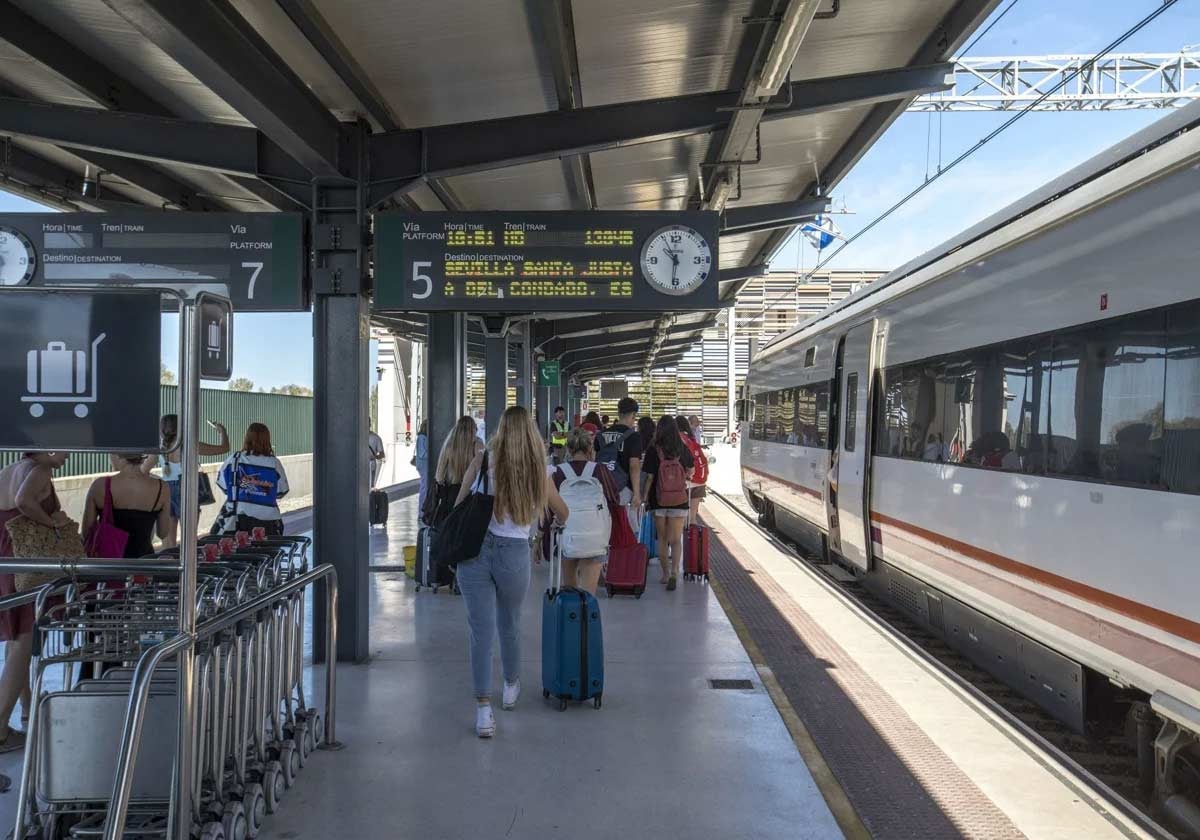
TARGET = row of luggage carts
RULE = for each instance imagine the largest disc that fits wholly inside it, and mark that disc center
(253, 728)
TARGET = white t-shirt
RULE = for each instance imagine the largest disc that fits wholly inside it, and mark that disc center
(502, 527)
(259, 484)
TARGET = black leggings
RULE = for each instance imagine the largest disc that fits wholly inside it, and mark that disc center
(273, 527)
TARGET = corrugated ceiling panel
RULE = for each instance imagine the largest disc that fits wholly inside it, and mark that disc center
(631, 49)
(446, 61)
(99, 31)
(532, 186)
(650, 176)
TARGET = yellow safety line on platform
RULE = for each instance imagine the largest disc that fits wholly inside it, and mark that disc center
(835, 797)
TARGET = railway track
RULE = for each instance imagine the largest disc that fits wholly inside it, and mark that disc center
(1104, 763)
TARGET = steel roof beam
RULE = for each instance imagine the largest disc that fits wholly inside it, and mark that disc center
(577, 357)
(623, 367)
(438, 151)
(232, 149)
(213, 42)
(757, 217)
(560, 346)
(950, 34)
(42, 180)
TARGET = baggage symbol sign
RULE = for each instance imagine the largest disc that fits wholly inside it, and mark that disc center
(59, 375)
(216, 321)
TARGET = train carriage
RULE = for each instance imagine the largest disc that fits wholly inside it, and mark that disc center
(1003, 437)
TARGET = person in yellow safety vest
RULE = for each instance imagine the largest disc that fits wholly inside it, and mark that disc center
(558, 434)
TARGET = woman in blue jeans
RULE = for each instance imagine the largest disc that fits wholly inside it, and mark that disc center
(494, 583)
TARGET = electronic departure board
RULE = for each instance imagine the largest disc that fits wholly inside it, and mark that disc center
(602, 261)
(254, 259)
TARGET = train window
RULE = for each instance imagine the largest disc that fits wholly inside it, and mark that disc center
(810, 356)
(1129, 359)
(1181, 414)
(851, 411)
(786, 409)
(1064, 455)
(744, 411)
(1026, 399)
(812, 415)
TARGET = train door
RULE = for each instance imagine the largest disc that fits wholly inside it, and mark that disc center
(854, 388)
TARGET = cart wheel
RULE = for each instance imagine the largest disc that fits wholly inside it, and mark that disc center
(273, 786)
(289, 759)
(234, 821)
(301, 739)
(212, 831)
(316, 732)
(545, 694)
(254, 805)
(309, 741)
(562, 704)
(596, 701)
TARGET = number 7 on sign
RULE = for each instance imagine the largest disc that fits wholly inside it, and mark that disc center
(255, 270)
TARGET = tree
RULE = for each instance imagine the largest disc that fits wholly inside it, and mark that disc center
(241, 384)
(166, 375)
(294, 390)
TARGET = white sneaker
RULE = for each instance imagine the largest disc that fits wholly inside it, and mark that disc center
(512, 692)
(485, 721)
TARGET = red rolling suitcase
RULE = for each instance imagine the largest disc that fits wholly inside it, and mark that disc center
(695, 552)
(627, 569)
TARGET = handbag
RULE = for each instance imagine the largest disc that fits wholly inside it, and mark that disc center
(106, 540)
(32, 539)
(205, 491)
(460, 536)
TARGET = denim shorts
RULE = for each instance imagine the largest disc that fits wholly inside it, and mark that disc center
(174, 486)
(671, 513)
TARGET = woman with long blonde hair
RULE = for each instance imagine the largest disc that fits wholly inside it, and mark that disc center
(494, 583)
(458, 450)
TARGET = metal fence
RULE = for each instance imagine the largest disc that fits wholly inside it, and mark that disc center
(290, 420)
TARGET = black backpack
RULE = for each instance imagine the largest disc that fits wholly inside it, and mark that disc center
(610, 445)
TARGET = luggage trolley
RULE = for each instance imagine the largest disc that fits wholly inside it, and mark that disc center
(59, 375)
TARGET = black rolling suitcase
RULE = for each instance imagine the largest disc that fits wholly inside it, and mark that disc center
(379, 507)
(426, 574)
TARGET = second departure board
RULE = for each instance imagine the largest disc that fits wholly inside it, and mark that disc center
(546, 261)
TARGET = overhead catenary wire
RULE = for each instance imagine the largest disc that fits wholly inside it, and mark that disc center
(989, 137)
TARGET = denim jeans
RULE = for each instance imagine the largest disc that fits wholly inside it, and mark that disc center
(493, 587)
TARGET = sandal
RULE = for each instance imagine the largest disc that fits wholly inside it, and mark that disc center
(671, 584)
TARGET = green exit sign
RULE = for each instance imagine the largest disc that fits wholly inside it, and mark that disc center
(548, 373)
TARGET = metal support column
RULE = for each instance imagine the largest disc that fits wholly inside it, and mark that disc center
(495, 381)
(341, 361)
(524, 379)
(563, 398)
(445, 394)
(731, 369)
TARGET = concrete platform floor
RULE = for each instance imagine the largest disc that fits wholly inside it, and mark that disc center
(666, 757)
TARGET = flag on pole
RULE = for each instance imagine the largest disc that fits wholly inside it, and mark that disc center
(821, 232)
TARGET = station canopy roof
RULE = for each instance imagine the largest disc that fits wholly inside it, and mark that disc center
(755, 108)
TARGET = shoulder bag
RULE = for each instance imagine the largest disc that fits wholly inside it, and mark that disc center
(460, 536)
(34, 540)
(106, 540)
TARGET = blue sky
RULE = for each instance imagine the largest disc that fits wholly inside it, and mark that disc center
(274, 350)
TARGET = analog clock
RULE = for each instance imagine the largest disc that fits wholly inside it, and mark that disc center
(676, 260)
(17, 257)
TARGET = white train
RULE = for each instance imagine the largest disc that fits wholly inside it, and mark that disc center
(1003, 437)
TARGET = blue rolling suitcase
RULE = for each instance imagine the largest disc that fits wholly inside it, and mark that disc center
(572, 641)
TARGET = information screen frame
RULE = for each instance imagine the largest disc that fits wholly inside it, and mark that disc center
(257, 260)
(542, 261)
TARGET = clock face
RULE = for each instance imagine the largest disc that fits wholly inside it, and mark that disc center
(676, 260)
(17, 257)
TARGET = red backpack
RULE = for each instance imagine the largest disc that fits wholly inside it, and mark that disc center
(672, 481)
(700, 470)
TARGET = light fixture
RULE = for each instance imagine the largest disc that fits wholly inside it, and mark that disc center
(793, 26)
(720, 193)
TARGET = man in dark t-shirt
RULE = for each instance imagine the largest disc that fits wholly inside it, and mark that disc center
(624, 435)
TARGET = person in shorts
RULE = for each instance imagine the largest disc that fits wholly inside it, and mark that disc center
(619, 447)
(669, 519)
(584, 572)
(699, 479)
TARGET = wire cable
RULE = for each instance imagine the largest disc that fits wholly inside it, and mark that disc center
(988, 28)
(989, 137)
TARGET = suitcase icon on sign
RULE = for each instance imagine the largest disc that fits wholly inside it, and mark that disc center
(59, 375)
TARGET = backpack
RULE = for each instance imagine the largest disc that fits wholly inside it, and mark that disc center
(590, 524)
(700, 470)
(671, 482)
(610, 445)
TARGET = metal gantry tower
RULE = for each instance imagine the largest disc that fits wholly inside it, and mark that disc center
(1113, 82)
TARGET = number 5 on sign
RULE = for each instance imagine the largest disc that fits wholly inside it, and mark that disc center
(418, 277)
(255, 270)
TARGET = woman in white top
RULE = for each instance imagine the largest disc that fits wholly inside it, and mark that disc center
(169, 469)
(494, 583)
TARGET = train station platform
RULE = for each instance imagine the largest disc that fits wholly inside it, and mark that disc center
(668, 755)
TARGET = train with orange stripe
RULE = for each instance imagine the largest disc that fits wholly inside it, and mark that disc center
(1002, 437)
